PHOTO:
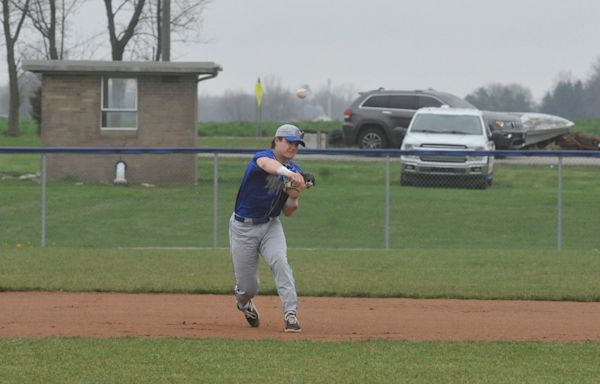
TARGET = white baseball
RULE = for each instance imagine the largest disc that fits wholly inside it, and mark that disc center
(302, 93)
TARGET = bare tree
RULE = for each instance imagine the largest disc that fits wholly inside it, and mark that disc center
(239, 106)
(50, 19)
(279, 102)
(43, 16)
(49, 38)
(13, 16)
(119, 40)
(185, 23)
(333, 102)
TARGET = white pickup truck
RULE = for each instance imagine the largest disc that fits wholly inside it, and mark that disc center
(447, 129)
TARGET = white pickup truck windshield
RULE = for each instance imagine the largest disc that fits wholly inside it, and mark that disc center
(447, 124)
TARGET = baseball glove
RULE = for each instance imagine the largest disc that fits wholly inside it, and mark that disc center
(309, 180)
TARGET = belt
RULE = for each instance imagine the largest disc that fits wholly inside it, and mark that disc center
(260, 220)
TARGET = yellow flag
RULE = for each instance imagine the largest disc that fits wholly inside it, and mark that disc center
(259, 92)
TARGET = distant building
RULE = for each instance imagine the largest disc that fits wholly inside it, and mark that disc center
(121, 104)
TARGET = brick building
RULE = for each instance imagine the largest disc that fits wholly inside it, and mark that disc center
(121, 104)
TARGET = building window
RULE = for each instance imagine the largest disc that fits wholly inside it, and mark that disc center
(119, 103)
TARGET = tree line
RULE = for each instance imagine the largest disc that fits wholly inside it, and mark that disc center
(569, 98)
(279, 103)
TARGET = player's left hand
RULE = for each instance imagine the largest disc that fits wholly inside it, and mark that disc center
(295, 180)
(307, 181)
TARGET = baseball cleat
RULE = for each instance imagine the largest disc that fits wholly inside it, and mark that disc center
(251, 314)
(291, 323)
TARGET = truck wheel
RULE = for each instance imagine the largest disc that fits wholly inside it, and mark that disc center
(482, 182)
(372, 138)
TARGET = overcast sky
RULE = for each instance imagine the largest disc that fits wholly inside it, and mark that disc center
(452, 45)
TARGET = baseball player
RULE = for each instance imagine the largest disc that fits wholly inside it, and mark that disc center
(271, 185)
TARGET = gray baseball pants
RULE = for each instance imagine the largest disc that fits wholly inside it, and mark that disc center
(247, 241)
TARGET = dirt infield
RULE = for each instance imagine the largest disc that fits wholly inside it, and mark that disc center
(43, 314)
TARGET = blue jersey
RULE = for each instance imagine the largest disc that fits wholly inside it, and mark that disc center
(261, 194)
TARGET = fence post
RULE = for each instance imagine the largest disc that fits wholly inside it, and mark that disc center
(387, 202)
(43, 202)
(215, 200)
(559, 208)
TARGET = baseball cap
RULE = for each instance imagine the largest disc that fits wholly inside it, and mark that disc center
(291, 133)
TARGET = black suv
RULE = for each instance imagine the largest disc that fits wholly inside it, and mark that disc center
(379, 118)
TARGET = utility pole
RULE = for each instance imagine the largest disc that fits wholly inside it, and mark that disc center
(329, 98)
(166, 30)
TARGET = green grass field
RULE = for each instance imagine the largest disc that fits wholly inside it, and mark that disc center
(416, 273)
(89, 361)
(446, 243)
(345, 210)
(591, 127)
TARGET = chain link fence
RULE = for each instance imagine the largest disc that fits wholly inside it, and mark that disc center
(152, 198)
